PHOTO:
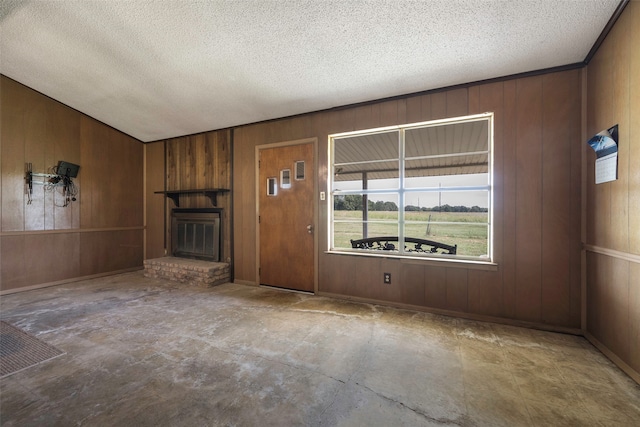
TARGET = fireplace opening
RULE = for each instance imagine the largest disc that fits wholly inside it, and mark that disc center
(196, 233)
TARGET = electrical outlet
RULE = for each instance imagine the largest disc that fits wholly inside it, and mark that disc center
(387, 278)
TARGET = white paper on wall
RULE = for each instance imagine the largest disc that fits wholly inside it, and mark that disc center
(607, 168)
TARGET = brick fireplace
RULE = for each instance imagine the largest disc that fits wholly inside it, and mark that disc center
(196, 249)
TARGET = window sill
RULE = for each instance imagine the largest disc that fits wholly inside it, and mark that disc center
(436, 262)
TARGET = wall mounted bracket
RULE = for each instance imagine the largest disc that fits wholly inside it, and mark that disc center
(50, 180)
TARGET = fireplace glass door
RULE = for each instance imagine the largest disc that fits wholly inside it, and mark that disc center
(196, 234)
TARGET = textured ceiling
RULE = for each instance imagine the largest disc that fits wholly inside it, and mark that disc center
(160, 69)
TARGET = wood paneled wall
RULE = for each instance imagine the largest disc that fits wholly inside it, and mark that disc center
(155, 204)
(613, 208)
(537, 203)
(102, 231)
(191, 162)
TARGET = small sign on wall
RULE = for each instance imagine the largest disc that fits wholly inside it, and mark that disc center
(605, 144)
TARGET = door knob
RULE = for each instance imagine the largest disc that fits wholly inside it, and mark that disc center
(310, 229)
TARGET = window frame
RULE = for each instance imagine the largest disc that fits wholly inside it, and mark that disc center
(402, 190)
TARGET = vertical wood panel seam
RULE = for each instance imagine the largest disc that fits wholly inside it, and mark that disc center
(516, 222)
(542, 210)
(515, 204)
(628, 313)
(628, 121)
(610, 185)
(584, 89)
(504, 210)
(164, 202)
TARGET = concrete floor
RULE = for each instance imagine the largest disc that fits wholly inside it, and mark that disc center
(151, 352)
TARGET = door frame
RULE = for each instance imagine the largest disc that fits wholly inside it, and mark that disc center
(260, 186)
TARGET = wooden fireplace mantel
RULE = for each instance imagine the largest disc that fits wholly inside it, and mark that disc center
(211, 193)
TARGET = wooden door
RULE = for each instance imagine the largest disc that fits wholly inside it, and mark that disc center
(285, 217)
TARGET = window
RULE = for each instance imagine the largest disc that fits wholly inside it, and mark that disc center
(272, 186)
(299, 167)
(418, 190)
(285, 178)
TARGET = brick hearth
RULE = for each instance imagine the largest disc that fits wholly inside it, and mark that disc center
(183, 270)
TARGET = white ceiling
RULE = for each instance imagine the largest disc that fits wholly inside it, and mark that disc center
(160, 69)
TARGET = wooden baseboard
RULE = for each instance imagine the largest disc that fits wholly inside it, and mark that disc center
(71, 280)
(635, 375)
(244, 282)
(461, 315)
